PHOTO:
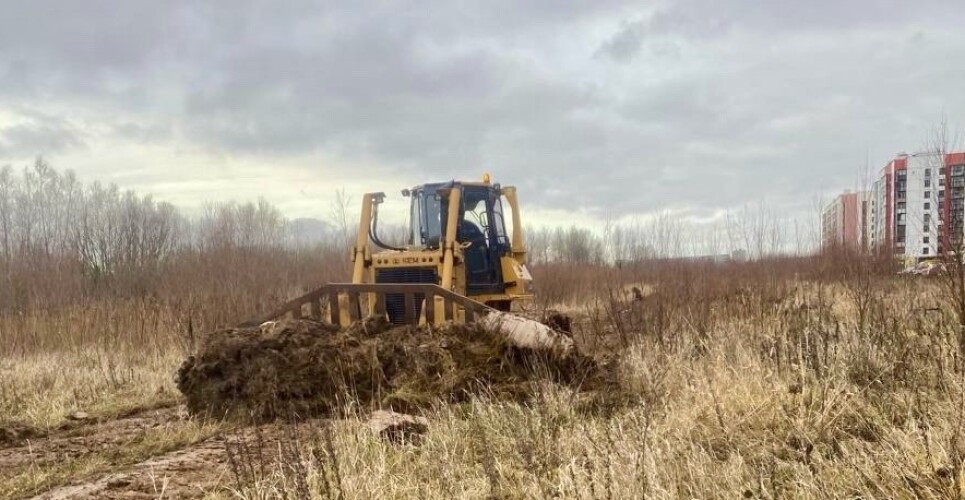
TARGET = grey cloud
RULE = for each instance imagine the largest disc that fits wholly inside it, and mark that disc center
(150, 133)
(695, 105)
(626, 42)
(713, 20)
(38, 135)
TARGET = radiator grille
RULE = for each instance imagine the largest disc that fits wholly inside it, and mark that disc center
(395, 302)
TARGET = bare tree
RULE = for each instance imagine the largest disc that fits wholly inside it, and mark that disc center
(6, 209)
(740, 230)
(666, 234)
(537, 245)
(340, 215)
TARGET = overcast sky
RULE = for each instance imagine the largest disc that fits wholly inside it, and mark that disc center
(592, 108)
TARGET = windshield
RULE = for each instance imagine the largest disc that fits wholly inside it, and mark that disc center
(431, 213)
(482, 216)
(500, 222)
(481, 219)
(415, 215)
(475, 215)
(425, 223)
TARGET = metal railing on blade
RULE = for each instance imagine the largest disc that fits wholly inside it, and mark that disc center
(345, 302)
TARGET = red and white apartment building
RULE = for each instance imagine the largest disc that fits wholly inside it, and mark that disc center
(916, 206)
(843, 221)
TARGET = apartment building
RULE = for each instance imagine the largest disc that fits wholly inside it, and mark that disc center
(844, 219)
(916, 206)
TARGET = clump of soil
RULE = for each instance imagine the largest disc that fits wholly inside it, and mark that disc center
(11, 433)
(303, 367)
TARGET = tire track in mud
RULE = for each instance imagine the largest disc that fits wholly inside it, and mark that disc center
(39, 448)
(185, 473)
(182, 473)
(14, 435)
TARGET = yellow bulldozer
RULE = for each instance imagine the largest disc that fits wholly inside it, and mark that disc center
(452, 285)
(458, 264)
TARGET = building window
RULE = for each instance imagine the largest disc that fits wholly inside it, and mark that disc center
(924, 251)
(927, 218)
(927, 194)
(925, 240)
(927, 183)
(926, 228)
(901, 205)
(927, 172)
(927, 205)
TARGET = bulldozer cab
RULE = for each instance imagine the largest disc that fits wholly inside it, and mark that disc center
(457, 262)
(480, 230)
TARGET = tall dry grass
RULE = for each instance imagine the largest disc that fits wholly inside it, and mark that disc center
(806, 377)
(793, 380)
(115, 345)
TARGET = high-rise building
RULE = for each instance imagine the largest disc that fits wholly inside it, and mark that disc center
(843, 221)
(917, 205)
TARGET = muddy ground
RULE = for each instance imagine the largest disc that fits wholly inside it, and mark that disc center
(191, 471)
(39, 448)
(180, 473)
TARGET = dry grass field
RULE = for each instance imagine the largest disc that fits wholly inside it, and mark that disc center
(825, 377)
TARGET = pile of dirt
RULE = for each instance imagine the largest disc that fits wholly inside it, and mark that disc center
(307, 368)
